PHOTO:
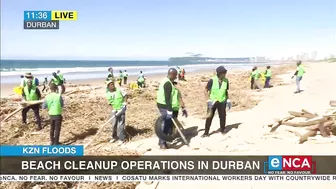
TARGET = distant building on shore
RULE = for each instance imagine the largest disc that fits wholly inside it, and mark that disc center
(313, 55)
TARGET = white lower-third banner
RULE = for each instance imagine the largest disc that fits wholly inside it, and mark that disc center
(186, 178)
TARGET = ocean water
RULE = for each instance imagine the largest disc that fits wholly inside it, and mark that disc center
(76, 70)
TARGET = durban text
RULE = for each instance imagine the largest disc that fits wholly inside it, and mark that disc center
(235, 165)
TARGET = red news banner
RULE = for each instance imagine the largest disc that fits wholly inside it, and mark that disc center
(290, 165)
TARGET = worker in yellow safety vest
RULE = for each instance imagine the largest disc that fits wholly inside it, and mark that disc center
(117, 98)
(255, 76)
(31, 93)
(58, 81)
(217, 92)
(125, 75)
(268, 76)
(141, 80)
(299, 74)
(164, 99)
(54, 103)
(177, 101)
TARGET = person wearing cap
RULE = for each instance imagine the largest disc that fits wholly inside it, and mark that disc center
(125, 75)
(31, 93)
(110, 76)
(217, 92)
(299, 74)
(54, 103)
(117, 98)
(29, 76)
(164, 100)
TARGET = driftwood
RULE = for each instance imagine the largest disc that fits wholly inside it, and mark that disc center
(317, 126)
(309, 122)
(13, 113)
(304, 137)
(308, 112)
(278, 123)
(323, 124)
(81, 89)
(302, 114)
(333, 103)
(29, 103)
(23, 105)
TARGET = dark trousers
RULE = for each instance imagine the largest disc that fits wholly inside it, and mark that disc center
(118, 127)
(55, 128)
(252, 83)
(125, 80)
(221, 109)
(36, 109)
(44, 88)
(167, 126)
(267, 82)
(141, 84)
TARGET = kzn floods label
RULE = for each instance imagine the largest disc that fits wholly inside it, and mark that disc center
(38, 25)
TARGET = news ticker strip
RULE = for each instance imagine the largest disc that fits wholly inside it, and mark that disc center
(37, 20)
(174, 165)
(185, 178)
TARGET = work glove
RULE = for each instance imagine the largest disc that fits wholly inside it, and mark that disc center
(184, 112)
(124, 106)
(114, 112)
(228, 104)
(210, 103)
(169, 114)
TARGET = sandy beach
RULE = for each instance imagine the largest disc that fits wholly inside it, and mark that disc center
(247, 130)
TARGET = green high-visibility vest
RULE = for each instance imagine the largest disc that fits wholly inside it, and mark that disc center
(30, 96)
(26, 80)
(56, 81)
(160, 97)
(175, 100)
(255, 74)
(300, 71)
(60, 76)
(268, 73)
(116, 100)
(121, 75)
(54, 104)
(141, 79)
(216, 93)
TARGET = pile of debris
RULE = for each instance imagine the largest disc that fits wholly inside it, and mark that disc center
(306, 124)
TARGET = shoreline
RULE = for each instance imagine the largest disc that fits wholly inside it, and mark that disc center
(83, 73)
(7, 88)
